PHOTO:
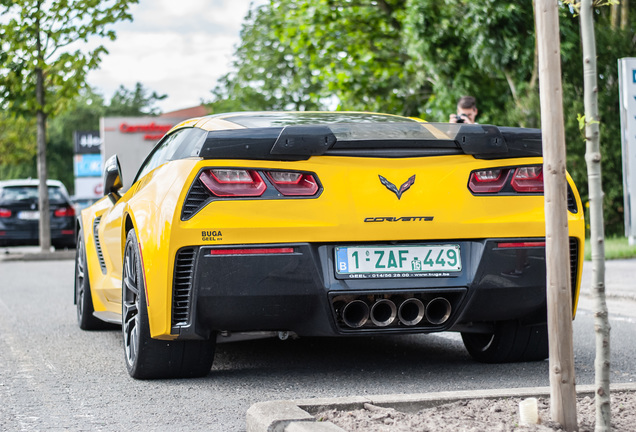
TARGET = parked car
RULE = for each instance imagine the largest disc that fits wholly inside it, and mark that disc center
(322, 224)
(20, 215)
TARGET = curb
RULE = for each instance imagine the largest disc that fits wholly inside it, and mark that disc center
(296, 415)
(39, 256)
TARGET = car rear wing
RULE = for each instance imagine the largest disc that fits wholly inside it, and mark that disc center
(390, 140)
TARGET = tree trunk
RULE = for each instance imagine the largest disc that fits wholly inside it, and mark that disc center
(559, 294)
(615, 15)
(43, 195)
(624, 14)
(597, 235)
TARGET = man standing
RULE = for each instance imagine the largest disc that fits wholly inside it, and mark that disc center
(466, 111)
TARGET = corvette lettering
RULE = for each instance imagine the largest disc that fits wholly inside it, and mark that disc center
(400, 219)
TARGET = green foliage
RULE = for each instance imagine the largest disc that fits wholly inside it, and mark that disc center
(610, 46)
(615, 248)
(17, 147)
(47, 37)
(417, 57)
(44, 61)
(17, 135)
(136, 102)
(309, 55)
(17, 139)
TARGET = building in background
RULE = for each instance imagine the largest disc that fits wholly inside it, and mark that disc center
(132, 138)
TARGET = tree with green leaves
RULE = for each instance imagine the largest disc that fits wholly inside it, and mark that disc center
(135, 102)
(308, 54)
(44, 63)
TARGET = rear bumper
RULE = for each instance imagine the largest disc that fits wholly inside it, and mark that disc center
(300, 291)
(61, 234)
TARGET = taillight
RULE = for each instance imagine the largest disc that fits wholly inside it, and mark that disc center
(233, 182)
(528, 179)
(290, 183)
(488, 181)
(64, 212)
(5, 213)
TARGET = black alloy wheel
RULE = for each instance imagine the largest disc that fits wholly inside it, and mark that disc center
(148, 358)
(509, 342)
(83, 298)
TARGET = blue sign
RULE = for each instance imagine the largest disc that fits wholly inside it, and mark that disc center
(88, 165)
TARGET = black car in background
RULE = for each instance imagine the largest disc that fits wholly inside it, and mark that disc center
(19, 214)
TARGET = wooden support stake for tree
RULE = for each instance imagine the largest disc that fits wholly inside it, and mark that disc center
(597, 232)
(559, 296)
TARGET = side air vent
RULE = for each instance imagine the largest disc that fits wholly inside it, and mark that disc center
(98, 246)
(572, 208)
(196, 198)
(574, 264)
(182, 287)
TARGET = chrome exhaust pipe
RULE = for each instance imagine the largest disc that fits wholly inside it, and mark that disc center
(355, 314)
(438, 310)
(411, 312)
(383, 312)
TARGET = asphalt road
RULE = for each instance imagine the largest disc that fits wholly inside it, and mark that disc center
(55, 377)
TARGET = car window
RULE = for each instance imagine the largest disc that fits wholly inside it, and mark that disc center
(157, 156)
(178, 145)
(274, 119)
(30, 193)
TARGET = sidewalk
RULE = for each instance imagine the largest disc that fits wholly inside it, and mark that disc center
(34, 253)
(297, 415)
(620, 279)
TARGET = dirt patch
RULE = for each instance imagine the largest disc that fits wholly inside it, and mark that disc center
(479, 415)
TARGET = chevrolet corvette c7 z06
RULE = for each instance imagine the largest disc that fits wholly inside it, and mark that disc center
(322, 224)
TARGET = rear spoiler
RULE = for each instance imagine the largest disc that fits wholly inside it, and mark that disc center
(391, 140)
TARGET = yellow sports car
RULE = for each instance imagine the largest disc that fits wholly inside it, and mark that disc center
(321, 224)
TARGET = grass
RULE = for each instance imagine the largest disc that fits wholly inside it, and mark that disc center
(615, 248)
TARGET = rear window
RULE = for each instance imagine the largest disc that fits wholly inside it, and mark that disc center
(30, 193)
(277, 119)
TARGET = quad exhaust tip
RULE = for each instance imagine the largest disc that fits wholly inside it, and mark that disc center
(384, 312)
(355, 314)
(438, 310)
(411, 312)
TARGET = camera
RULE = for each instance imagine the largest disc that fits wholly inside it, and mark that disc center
(461, 118)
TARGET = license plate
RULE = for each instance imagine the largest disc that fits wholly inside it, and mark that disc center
(29, 215)
(398, 261)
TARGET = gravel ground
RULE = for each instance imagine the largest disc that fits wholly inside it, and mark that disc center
(480, 415)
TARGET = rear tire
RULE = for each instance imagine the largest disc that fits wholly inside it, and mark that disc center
(83, 298)
(509, 342)
(148, 358)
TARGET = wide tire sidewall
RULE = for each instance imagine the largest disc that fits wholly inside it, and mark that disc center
(510, 342)
(85, 318)
(137, 368)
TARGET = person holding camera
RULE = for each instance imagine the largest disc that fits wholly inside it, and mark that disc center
(466, 111)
